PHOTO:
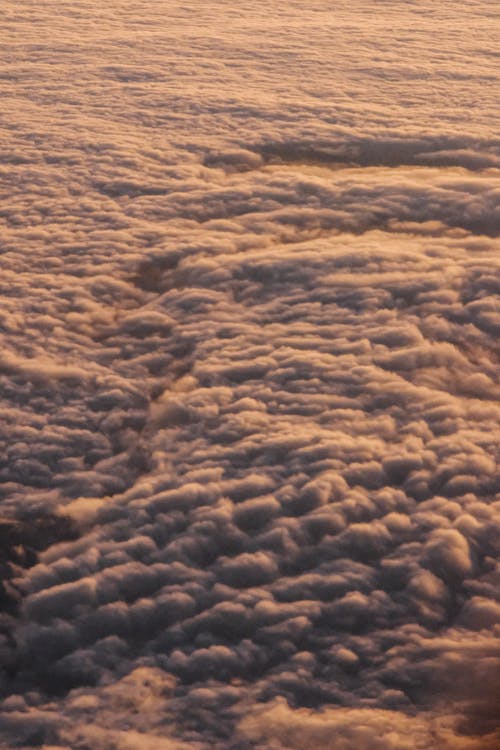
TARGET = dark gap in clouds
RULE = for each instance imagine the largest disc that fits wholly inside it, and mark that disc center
(395, 153)
(154, 275)
(468, 154)
(22, 539)
(123, 189)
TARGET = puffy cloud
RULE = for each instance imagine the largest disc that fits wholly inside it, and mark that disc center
(249, 376)
(343, 728)
(101, 718)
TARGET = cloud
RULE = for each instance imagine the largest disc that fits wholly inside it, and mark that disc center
(144, 693)
(344, 728)
(249, 376)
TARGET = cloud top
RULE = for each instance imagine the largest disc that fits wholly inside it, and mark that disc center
(249, 371)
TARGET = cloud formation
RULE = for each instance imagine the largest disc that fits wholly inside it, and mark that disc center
(249, 372)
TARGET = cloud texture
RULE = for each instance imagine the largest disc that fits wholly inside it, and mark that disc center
(250, 315)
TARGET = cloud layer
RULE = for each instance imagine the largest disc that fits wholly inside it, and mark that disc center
(250, 316)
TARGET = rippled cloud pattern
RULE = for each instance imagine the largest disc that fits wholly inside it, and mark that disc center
(249, 375)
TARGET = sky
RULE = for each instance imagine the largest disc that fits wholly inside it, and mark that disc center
(249, 375)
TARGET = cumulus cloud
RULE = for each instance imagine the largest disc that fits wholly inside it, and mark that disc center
(344, 728)
(249, 376)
